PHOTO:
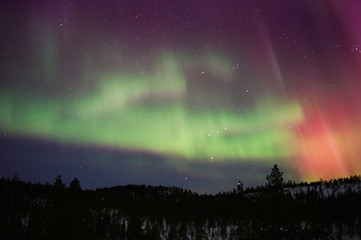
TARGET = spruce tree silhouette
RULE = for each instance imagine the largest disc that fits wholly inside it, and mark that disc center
(275, 181)
(58, 183)
(75, 185)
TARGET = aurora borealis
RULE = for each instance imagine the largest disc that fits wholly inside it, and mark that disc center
(198, 94)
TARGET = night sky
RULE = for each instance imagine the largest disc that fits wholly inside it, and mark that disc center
(197, 94)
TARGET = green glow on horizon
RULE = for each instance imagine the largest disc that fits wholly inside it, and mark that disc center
(150, 113)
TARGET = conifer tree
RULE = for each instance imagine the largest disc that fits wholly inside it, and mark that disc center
(275, 179)
(75, 185)
(58, 183)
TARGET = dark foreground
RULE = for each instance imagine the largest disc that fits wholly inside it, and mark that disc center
(322, 210)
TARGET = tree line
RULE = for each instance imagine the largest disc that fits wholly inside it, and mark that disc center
(324, 209)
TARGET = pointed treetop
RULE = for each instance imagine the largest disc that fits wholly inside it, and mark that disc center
(275, 179)
(58, 182)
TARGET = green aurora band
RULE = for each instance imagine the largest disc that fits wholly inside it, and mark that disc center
(150, 113)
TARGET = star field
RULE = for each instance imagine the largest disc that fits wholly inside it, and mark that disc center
(198, 94)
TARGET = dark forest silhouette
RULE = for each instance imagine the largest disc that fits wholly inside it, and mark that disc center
(318, 210)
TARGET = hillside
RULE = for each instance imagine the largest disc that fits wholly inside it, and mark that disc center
(324, 209)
